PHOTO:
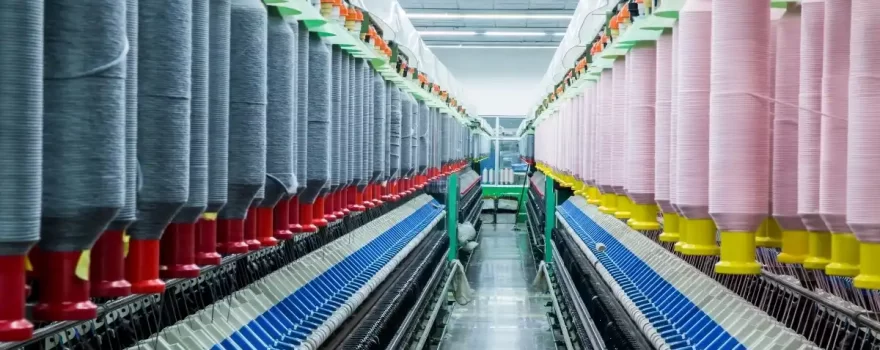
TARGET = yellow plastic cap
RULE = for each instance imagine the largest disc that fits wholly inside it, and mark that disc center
(670, 228)
(795, 247)
(700, 238)
(869, 276)
(819, 250)
(738, 254)
(844, 255)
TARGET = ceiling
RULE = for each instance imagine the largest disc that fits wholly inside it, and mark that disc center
(450, 17)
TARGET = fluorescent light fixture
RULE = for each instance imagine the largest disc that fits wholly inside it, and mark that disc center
(559, 34)
(484, 16)
(526, 47)
(515, 33)
(448, 33)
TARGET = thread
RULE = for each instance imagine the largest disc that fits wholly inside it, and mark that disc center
(809, 124)
(692, 134)
(785, 123)
(604, 129)
(281, 98)
(21, 146)
(641, 118)
(663, 107)
(673, 121)
(218, 128)
(835, 95)
(379, 138)
(338, 76)
(739, 147)
(82, 190)
(394, 132)
(247, 106)
(406, 136)
(319, 113)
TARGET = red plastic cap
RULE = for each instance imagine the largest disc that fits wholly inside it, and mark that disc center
(206, 243)
(63, 295)
(250, 230)
(266, 227)
(13, 324)
(107, 269)
(179, 252)
(230, 237)
(305, 218)
(142, 267)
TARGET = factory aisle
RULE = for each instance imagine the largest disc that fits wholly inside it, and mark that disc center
(506, 313)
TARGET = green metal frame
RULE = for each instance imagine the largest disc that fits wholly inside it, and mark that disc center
(452, 215)
(549, 219)
(498, 191)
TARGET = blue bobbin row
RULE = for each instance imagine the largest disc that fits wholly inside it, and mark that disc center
(681, 323)
(286, 325)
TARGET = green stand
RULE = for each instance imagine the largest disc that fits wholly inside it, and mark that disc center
(549, 219)
(452, 215)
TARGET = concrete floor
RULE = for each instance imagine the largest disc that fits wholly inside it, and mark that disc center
(507, 313)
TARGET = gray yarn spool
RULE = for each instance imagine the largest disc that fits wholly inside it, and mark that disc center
(379, 114)
(424, 113)
(344, 112)
(396, 117)
(302, 105)
(350, 157)
(444, 138)
(279, 111)
(83, 143)
(164, 93)
(128, 213)
(319, 90)
(389, 87)
(218, 104)
(369, 116)
(247, 106)
(198, 139)
(416, 151)
(21, 124)
(406, 135)
(336, 121)
(357, 124)
(369, 135)
(294, 110)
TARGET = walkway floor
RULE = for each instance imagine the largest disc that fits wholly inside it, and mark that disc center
(507, 314)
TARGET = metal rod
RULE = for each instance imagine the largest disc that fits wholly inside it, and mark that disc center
(583, 315)
(406, 325)
(556, 308)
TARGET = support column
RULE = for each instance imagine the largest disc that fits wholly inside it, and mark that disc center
(549, 218)
(452, 214)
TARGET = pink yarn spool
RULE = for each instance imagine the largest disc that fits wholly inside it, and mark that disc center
(673, 122)
(809, 123)
(604, 127)
(785, 122)
(739, 138)
(616, 125)
(641, 119)
(592, 92)
(692, 136)
(835, 102)
(625, 100)
(663, 107)
(863, 191)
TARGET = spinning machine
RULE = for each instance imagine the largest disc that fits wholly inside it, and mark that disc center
(225, 174)
(703, 175)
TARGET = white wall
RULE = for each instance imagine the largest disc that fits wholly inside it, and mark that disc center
(499, 81)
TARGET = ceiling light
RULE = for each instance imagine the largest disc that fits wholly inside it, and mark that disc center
(490, 47)
(483, 16)
(559, 34)
(515, 33)
(454, 33)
